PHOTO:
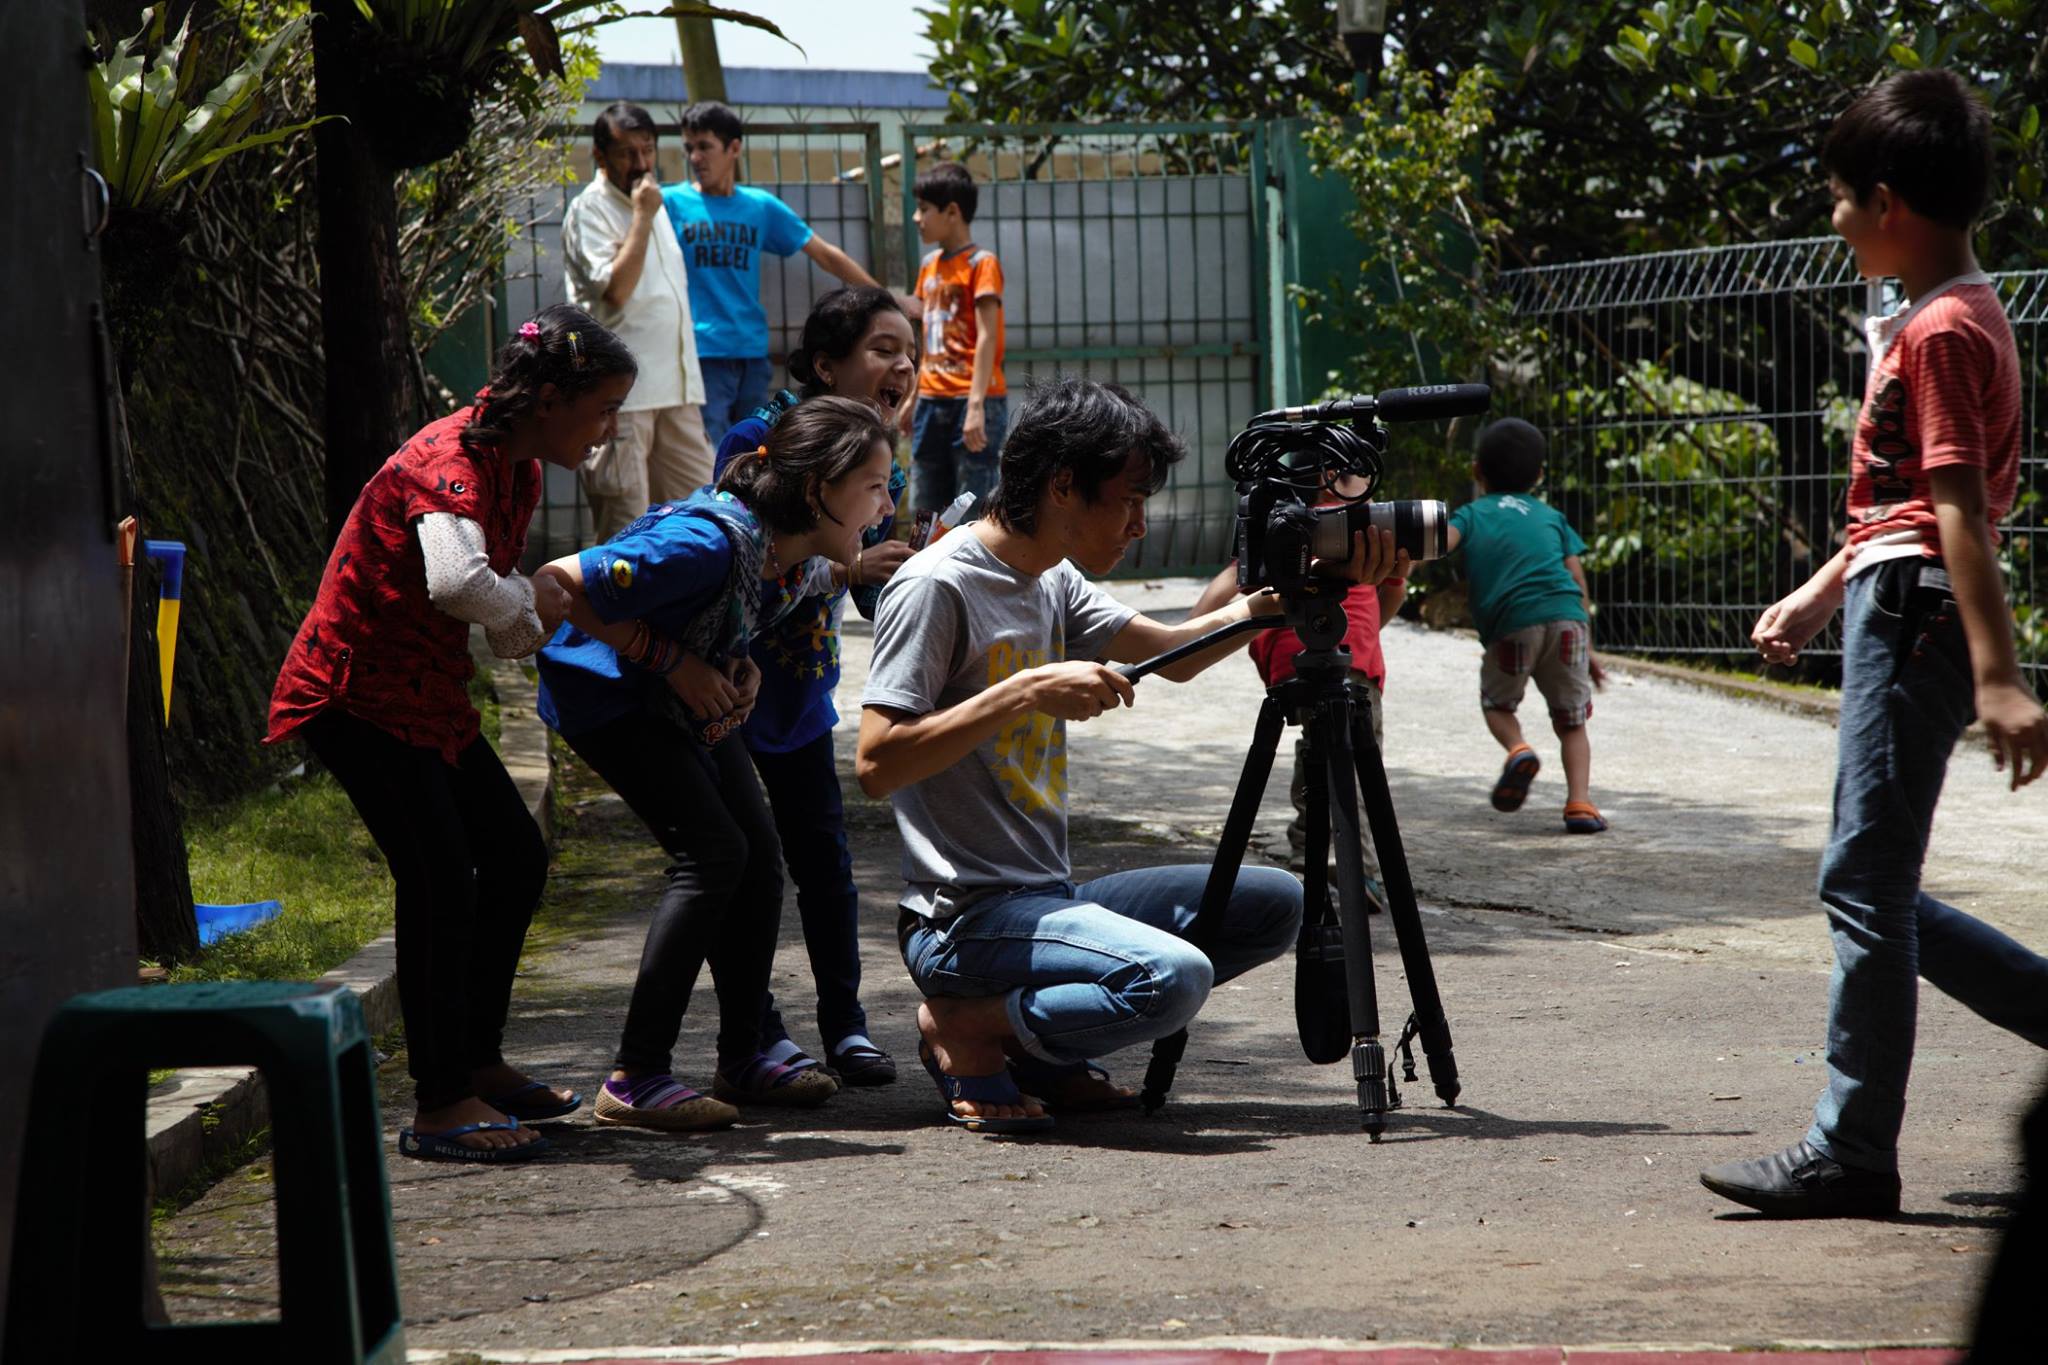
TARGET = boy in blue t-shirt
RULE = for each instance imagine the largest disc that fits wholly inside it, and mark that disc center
(1530, 603)
(723, 227)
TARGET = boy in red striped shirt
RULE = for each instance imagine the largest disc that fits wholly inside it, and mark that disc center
(1927, 640)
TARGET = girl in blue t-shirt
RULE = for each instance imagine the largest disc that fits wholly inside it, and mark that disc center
(856, 343)
(648, 681)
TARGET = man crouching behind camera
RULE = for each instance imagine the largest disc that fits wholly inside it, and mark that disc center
(986, 645)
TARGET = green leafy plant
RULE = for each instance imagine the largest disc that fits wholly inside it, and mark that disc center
(154, 132)
(1417, 300)
(1427, 239)
(1619, 126)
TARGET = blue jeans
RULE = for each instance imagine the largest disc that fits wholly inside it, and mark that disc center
(1092, 968)
(732, 390)
(803, 792)
(940, 466)
(1907, 696)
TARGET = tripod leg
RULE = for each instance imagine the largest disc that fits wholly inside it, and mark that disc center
(1368, 1056)
(1322, 1015)
(1237, 833)
(1431, 1026)
(1315, 872)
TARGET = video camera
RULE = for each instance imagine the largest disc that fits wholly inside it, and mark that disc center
(1288, 460)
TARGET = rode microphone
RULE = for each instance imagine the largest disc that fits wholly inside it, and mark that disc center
(1421, 403)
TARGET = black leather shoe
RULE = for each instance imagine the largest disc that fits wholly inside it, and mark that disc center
(1800, 1182)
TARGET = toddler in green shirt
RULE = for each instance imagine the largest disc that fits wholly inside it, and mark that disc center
(1530, 603)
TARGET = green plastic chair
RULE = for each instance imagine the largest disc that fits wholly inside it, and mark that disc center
(76, 1284)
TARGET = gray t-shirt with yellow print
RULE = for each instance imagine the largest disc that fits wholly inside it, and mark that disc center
(954, 621)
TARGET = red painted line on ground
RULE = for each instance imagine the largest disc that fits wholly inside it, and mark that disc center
(1391, 1355)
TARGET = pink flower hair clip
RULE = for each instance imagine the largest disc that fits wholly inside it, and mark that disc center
(530, 330)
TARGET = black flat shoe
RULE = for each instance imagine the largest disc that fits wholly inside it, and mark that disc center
(861, 1065)
(1800, 1182)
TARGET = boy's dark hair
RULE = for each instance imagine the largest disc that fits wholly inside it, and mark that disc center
(948, 183)
(1082, 425)
(567, 349)
(814, 444)
(618, 119)
(1924, 134)
(1511, 455)
(835, 326)
(709, 116)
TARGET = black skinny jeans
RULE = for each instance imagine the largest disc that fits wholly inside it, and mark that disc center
(810, 818)
(723, 898)
(469, 865)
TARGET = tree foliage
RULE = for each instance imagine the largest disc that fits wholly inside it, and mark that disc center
(1617, 126)
(1428, 238)
(230, 370)
(155, 128)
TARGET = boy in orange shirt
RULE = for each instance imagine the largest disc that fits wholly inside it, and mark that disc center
(962, 408)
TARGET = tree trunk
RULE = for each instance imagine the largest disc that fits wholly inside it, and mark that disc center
(373, 396)
(165, 925)
(703, 73)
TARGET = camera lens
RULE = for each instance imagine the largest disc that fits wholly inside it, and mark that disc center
(1419, 525)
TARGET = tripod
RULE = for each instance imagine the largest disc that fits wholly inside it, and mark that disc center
(1343, 760)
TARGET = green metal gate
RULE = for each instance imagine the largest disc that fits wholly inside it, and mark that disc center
(1137, 252)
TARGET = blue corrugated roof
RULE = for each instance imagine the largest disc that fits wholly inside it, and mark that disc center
(645, 83)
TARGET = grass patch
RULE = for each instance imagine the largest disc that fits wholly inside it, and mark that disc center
(169, 1204)
(484, 698)
(1727, 667)
(300, 843)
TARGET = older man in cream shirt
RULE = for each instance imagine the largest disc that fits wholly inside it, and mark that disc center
(622, 266)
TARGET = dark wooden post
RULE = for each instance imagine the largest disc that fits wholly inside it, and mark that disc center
(66, 884)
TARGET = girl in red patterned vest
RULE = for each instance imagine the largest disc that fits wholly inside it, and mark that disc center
(376, 683)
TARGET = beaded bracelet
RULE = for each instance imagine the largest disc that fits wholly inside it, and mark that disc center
(655, 653)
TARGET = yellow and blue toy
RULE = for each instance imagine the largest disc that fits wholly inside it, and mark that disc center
(170, 557)
(215, 921)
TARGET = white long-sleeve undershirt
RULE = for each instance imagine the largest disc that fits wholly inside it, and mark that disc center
(461, 582)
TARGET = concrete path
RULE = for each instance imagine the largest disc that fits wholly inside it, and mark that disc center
(1626, 1008)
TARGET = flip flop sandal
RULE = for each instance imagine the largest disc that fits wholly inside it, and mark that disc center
(1000, 1088)
(1047, 1079)
(1515, 776)
(862, 1065)
(534, 1102)
(1583, 817)
(443, 1146)
(775, 1083)
(662, 1103)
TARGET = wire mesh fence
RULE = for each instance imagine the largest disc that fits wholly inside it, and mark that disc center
(1700, 406)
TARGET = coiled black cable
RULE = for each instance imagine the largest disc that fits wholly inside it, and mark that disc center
(1269, 452)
